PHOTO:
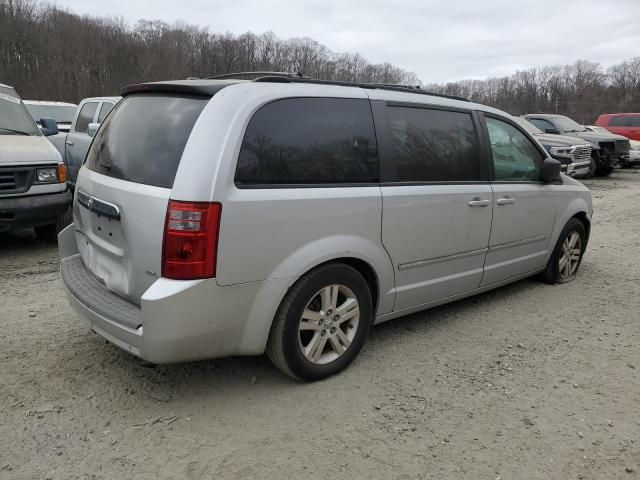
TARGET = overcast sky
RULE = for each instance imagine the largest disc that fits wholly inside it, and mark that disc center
(439, 40)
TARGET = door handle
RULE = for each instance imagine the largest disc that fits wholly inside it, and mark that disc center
(68, 142)
(479, 202)
(505, 201)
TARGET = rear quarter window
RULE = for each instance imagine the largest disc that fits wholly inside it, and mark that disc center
(309, 141)
(143, 138)
(85, 117)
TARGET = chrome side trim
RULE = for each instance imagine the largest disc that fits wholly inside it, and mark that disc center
(518, 243)
(431, 261)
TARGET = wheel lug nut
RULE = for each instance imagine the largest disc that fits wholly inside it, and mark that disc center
(333, 330)
(328, 312)
(336, 318)
(323, 333)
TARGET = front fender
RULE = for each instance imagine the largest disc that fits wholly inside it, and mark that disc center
(576, 206)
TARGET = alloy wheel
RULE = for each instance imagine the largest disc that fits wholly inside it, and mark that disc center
(328, 324)
(570, 256)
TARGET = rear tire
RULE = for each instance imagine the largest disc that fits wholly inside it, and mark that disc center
(49, 233)
(322, 323)
(567, 255)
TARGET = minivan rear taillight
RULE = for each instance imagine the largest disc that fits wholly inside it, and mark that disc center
(190, 243)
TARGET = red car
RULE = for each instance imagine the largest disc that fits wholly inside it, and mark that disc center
(627, 124)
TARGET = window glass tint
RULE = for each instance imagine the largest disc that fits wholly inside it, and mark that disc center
(104, 110)
(143, 139)
(309, 141)
(86, 116)
(542, 124)
(14, 117)
(515, 157)
(620, 121)
(433, 146)
(635, 121)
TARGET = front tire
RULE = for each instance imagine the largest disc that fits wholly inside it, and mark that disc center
(567, 255)
(322, 323)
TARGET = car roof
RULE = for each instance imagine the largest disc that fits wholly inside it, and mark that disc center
(51, 103)
(295, 85)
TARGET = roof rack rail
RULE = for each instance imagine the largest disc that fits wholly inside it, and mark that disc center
(379, 86)
(256, 73)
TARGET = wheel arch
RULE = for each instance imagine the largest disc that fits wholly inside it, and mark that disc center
(577, 208)
(366, 257)
(584, 218)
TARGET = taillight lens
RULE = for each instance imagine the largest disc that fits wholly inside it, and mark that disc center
(190, 244)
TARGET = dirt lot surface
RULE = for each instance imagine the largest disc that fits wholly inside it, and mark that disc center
(527, 382)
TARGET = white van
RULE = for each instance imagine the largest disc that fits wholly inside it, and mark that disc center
(33, 178)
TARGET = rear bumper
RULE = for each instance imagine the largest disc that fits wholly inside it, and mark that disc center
(177, 320)
(34, 211)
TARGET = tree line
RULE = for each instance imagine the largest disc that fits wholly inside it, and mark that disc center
(582, 91)
(53, 54)
(50, 53)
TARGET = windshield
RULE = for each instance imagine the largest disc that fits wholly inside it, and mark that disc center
(60, 113)
(529, 127)
(568, 125)
(14, 118)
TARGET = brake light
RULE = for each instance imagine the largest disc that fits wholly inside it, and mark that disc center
(62, 174)
(190, 246)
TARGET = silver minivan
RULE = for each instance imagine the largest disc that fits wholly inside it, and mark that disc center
(287, 215)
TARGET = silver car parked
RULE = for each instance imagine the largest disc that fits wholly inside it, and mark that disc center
(289, 215)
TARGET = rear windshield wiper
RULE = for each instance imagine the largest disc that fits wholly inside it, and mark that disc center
(17, 132)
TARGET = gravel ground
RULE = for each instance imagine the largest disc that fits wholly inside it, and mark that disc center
(528, 381)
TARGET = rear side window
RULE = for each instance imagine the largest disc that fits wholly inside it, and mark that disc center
(620, 121)
(309, 141)
(433, 146)
(143, 139)
(104, 110)
(85, 117)
(635, 121)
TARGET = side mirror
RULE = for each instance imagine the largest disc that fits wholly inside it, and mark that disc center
(550, 171)
(49, 127)
(552, 131)
(92, 129)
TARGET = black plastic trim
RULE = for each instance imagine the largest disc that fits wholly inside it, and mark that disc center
(193, 87)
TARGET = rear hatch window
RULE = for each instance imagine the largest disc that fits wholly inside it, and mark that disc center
(143, 138)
